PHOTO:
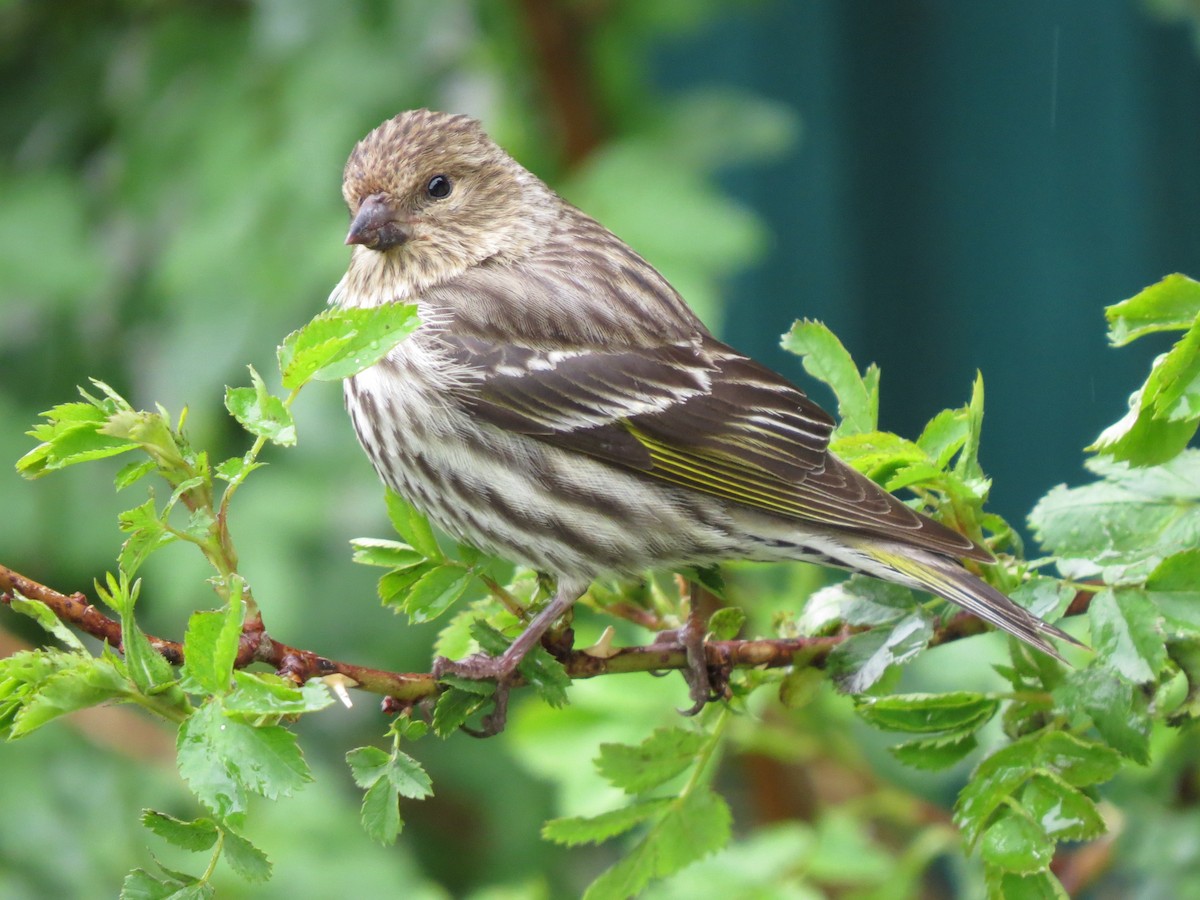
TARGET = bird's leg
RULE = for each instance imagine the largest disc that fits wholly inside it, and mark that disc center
(503, 668)
(701, 687)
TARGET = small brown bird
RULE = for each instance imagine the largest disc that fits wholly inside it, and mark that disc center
(561, 407)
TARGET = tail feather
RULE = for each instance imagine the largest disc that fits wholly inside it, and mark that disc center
(948, 579)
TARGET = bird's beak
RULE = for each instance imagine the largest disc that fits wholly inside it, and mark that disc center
(379, 225)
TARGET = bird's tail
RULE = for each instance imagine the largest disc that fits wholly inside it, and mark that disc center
(946, 578)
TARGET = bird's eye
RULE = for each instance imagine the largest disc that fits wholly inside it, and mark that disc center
(439, 187)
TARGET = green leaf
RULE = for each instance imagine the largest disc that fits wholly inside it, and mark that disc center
(1004, 885)
(454, 706)
(141, 885)
(389, 554)
(967, 466)
(340, 342)
(1170, 305)
(395, 585)
(266, 694)
(944, 436)
(1142, 439)
(573, 831)
(1124, 526)
(825, 358)
(435, 592)
(936, 753)
(1118, 709)
(244, 858)
(1063, 812)
(1174, 589)
(542, 671)
(412, 526)
(858, 600)
(224, 760)
(878, 454)
(1126, 635)
(928, 713)
(260, 412)
(45, 617)
(147, 533)
(1046, 598)
(697, 825)
(150, 672)
(726, 623)
(862, 659)
(367, 765)
(380, 812)
(665, 754)
(194, 835)
(236, 467)
(73, 434)
(130, 473)
(1016, 843)
(1072, 760)
(82, 682)
(210, 646)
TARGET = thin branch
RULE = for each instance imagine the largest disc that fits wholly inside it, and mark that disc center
(411, 687)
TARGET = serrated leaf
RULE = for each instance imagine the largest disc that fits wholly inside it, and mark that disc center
(697, 825)
(1069, 759)
(862, 659)
(454, 706)
(1174, 589)
(236, 467)
(1170, 305)
(435, 592)
(266, 694)
(224, 760)
(83, 681)
(1016, 843)
(367, 765)
(260, 412)
(575, 830)
(141, 885)
(210, 647)
(380, 812)
(389, 554)
(1046, 598)
(944, 436)
(147, 533)
(825, 358)
(659, 758)
(542, 671)
(194, 835)
(877, 454)
(1118, 708)
(936, 753)
(412, 526)
(131, 473)
(1064, 813)
(928, 713)
(244, 858)
(45, 617)
(1004, 885)
(395, 585)
(1126, 634)
(340, 342)
(858, 600)
(726, 623)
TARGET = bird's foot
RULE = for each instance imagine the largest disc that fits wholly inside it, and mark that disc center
(705, 685)
(481, 667)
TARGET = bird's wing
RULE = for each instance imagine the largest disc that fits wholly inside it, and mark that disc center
(698, 415)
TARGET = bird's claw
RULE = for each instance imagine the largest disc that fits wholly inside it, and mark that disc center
(481, 667)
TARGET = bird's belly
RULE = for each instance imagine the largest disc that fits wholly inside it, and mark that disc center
(522, 499)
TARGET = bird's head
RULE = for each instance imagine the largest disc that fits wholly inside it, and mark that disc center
(431, 195)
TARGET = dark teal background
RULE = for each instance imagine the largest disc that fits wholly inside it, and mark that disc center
(973, 184)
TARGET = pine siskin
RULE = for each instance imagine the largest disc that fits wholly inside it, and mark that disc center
(561, 406)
